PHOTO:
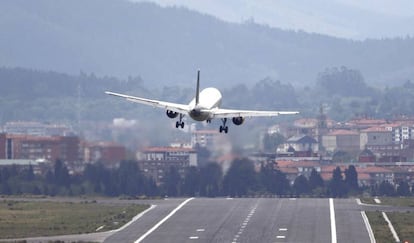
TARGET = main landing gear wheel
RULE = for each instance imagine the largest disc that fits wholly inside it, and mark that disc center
(180, 123)
(224, 127)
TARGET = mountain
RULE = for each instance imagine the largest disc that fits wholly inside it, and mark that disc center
(351, 19)
(166, 45)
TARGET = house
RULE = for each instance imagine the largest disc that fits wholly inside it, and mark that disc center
(300, 146)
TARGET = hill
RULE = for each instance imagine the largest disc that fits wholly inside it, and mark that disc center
(165, 46)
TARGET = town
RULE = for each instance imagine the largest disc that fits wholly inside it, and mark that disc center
(381, 151)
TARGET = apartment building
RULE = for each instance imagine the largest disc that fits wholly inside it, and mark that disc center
(156, 161)
(203, 138)
(49, 148)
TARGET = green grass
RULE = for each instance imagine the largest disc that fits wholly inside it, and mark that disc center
(394, 201)
(20, 219)
(398, 201)
(403, 224)
(380, 228)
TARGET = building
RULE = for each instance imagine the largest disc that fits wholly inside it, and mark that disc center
(341, 140)
(105, 152)
(37, 128)
(374, 136)
(156, 161)
(49, 148)
(203, 138)
(300, 146)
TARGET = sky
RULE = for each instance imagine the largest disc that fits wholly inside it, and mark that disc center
(351, 19)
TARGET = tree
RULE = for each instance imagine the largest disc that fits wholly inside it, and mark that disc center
(351, 178)
(315, 180)
(128, 179)
(191, 184)
(343, 81)
(172, 181)
(240, 178)
(273, 180)
(336, 185)
(386, 189)
(61, 174)
(28, 174)
(403, 189)
(301, 185)
(211, 179)
(272, 141)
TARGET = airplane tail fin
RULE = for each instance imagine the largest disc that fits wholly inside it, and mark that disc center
(197, 97)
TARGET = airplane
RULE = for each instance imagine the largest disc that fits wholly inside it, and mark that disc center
(204, 107)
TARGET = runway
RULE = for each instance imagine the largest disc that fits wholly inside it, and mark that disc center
(248, 220)
(239, 220)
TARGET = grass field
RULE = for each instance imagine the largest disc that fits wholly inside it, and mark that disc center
(404, 225)
(30, 218)
(403, 222)
(398, 201)
(380, 227)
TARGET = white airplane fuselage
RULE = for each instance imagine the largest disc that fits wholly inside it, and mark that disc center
(209, 99)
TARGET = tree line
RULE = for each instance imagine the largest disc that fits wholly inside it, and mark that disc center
(242, 179)
(342, 89)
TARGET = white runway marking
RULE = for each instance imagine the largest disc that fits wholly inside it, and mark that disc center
(368, 226)
(193, 237)
(163, 220)
(244, 224)
(280, 237)
(200, 230)
(333, 223)
(134, 219)
(394, 233)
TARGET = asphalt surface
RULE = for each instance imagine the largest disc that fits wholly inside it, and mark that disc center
(250, 220)
(240, 220)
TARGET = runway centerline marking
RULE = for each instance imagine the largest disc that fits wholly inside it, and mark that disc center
(200, 230)
(283, 229)
(333, 223)
(163, 220)
(245, 223)
(193, 237)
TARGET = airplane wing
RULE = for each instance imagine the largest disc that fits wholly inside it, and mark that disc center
(227, 113)
(180, 108)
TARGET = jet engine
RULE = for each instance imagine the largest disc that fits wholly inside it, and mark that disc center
(172, 114)
(238, 120)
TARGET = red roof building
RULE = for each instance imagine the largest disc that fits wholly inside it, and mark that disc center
(37, 147)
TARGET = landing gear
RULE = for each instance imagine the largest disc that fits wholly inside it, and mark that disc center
(224, 127)
(180, 123)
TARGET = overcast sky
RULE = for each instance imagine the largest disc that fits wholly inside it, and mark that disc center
(355, 19)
